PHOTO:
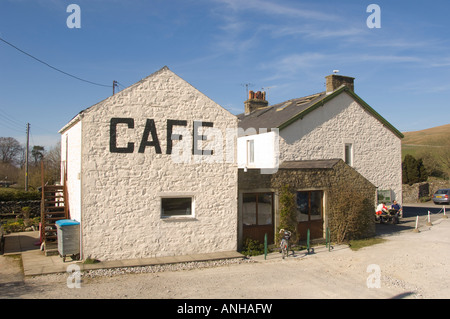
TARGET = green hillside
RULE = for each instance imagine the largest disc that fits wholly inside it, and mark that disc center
(433, 146)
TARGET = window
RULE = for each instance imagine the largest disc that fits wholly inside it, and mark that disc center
(250, 151)
(179, 206)
(349, 154)
(309, 206)
(257, 209)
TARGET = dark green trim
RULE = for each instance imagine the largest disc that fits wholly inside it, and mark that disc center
(331, 96)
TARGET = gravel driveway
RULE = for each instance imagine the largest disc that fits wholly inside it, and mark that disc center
(406, 265)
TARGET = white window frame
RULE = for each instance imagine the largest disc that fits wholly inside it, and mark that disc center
(348, 161)
(181, 195)
(250, 152)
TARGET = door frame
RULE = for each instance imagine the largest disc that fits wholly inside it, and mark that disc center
(270, 237)
(316, 227)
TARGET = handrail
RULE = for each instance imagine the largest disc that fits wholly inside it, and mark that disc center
(66, 195)
(42, 229)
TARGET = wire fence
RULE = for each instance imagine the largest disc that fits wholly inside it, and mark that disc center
(429, 216)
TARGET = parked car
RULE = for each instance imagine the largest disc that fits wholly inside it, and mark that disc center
(442, 196)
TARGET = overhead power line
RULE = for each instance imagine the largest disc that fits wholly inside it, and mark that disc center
(50, 66)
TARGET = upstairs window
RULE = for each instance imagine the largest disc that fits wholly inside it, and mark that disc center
(348, 154)
(250, 151)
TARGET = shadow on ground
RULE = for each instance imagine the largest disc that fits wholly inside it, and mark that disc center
(408, 221)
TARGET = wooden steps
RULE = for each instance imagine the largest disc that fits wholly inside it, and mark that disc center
(53, 209)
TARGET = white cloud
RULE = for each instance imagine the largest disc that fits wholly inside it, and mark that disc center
(275, 8)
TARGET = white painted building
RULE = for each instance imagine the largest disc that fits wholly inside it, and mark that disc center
(328, 125)
(151, 172)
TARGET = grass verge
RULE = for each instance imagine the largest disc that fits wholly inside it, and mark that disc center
(360, 243)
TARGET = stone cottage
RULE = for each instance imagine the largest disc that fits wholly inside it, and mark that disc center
(295, 135)
(151, 172)
(317, 185)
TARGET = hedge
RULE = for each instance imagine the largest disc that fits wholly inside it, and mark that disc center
(7, 196)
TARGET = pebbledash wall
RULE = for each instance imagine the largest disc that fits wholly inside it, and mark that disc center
(121, 157)
(324, 132)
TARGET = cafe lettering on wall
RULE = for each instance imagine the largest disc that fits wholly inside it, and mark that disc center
(150, 136)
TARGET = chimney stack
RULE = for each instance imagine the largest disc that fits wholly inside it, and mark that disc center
(255, 101)
(335, 81)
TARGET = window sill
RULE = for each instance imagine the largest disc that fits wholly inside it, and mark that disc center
(178, 218)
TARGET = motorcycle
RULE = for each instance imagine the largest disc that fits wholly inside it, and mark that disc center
(392, 216)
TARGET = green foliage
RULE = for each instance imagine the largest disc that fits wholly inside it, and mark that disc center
(361, 243)
(252, 248)
(413, 170)
(351, 216)
(288, 214)
(7, 195)
(90, 261)
(19, 224)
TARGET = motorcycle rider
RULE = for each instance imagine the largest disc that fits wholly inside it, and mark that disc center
(382, 210)
(396, 206)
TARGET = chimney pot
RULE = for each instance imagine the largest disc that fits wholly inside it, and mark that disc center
(255, 101)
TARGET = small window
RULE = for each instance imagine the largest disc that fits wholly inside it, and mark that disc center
(309, 205)
(250, 151)
(179, 206)
(349, 154)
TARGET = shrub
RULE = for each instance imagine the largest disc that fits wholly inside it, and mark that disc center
(19, 224)
(18, 196)
(14, 226)
(288, 215)
(252, 247)
(413, 171)
(352, 216)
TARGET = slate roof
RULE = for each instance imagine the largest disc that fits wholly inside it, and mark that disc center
(275, 115)
(283, 114)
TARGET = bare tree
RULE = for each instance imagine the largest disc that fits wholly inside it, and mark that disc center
(10, 150)
(53, 162)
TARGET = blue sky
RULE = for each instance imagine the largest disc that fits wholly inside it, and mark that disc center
(287, 47)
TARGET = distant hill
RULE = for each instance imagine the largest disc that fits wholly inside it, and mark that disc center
(433, 146)
(435, 136)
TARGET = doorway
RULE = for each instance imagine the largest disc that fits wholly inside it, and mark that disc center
(310, 213)
(257, 216)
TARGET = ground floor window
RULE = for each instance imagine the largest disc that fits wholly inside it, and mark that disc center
(257, 208)
(309, 205)
(176, 206)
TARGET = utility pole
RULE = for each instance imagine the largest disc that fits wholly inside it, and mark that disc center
(114, 86)
(26, 157)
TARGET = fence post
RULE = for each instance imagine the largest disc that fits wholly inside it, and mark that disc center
(307, 240)
(416, 229)
(445, 216)
(265, 246)
(329, 239)
(429, 220)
